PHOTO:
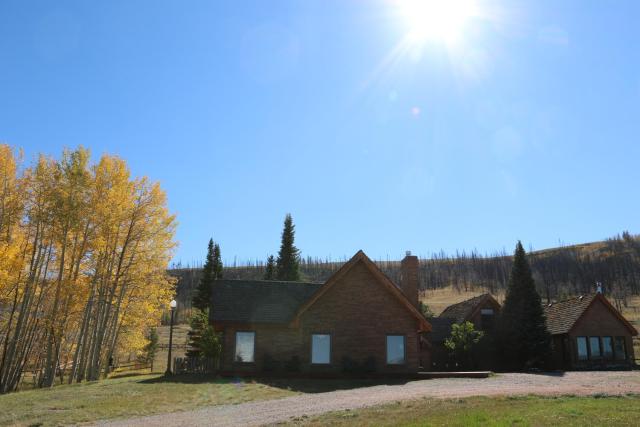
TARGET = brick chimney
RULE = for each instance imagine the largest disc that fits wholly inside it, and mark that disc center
(409, 278)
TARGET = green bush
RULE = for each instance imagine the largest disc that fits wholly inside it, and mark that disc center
(293, 364)
(269, 364)
(351, 366)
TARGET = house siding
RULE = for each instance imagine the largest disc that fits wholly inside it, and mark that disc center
(360, 312)
(357, 311)
(597, 321)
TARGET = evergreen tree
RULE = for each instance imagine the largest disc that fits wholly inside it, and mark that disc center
(149, 351)
(287, 266)
(198, 324)
(202, 298)
(217, 262)
(199, 321)
(270, 269)
(523, 336)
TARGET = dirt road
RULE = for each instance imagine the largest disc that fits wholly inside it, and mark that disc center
(273, 411)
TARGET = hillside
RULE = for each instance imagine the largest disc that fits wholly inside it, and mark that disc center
(559, 272)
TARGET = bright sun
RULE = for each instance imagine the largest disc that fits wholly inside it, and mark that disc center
(436, 20)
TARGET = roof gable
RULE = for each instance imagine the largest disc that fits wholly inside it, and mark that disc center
(466, 309)
(562, 316)
(361, 257)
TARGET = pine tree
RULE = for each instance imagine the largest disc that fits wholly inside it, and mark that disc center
(287, 266)
(270, 269)
(198, 324)
(202, 298)
(199, 321)
(217, 262)
(523, 335)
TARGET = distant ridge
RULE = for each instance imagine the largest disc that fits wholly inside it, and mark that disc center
(559, 272)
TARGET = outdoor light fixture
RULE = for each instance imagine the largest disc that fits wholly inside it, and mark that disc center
(173, 304)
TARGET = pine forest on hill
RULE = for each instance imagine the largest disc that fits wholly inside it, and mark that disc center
(559, 272)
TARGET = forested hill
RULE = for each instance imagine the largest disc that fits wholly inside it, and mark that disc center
(559, 272)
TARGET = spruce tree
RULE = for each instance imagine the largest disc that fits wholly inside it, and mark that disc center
(201, 303)
(202, 298)
(217, 262)
(287, 266)
(523, 335)
(270, 269)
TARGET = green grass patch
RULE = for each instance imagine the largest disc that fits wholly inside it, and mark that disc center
(601, 410)
(128, 397)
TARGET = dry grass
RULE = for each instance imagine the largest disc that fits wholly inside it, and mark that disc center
(439, 299)
(179, 339)
(632, 313)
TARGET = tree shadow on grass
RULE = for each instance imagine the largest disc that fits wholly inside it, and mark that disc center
(303, 385)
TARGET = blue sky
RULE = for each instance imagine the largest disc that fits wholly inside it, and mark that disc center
(525, 128)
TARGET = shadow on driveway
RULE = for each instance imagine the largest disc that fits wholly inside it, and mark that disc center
(303, 385)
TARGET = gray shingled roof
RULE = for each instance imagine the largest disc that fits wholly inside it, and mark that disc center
(259, 301)
(460, 311)
(562, 315)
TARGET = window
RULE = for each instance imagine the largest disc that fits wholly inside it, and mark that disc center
(620, 349)
(594, 347)
(245, 346)
(321, 349)
(607, 347)
(395, 349)
(486, 318)
(582, 348)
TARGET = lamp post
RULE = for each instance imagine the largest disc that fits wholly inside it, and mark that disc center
(172, 305)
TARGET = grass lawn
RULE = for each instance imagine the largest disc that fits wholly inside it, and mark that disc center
(139, 395)
(485, 411)
(128, 397)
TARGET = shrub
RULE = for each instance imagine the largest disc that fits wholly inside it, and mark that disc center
(269, 364)
(369, 365)
(293, 364)
(350, 366)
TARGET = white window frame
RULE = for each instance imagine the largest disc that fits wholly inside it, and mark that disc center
(253, 354)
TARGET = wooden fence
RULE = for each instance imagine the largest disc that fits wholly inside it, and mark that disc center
(193, 365)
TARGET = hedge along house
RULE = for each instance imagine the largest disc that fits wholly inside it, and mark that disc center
(358, 320)
(589, 333)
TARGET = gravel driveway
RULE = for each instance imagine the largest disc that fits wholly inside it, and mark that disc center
(273, 411)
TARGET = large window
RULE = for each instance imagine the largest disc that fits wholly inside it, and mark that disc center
(321, 349)
(395, 349)
(594, 347)
(620, 349)
(607, 347)
(486, 318)
(245, 346)
(583, 353)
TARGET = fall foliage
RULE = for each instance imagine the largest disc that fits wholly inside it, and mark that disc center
(83, 254)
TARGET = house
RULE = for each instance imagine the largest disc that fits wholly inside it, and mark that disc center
(589, 333)
(481, 311)
(356, 321)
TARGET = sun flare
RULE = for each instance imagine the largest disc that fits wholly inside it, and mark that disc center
(436, 20)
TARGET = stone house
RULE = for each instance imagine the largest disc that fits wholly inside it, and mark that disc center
(357, 321)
